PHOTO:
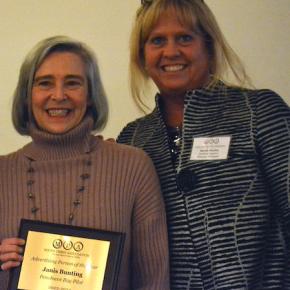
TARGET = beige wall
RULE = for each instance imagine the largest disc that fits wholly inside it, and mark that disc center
(257, 29)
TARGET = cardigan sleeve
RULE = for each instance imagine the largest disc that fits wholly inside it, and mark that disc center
(150, 258)
(273, 140)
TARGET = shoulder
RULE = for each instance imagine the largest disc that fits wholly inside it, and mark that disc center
(9, 161)
(129, 129)
(126, 160)
(140, 127)
(11, 156)
(269, 102)
(142, 121)
(121, 151)
(122, 148)
(259, 99)
(264, 94)
(256, 94)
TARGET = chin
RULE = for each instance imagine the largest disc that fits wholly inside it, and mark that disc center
(57, 131)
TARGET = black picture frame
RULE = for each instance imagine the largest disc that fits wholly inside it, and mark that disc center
(116, 240)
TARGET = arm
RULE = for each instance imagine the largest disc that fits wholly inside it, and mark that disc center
(273, 140)
(150, 259)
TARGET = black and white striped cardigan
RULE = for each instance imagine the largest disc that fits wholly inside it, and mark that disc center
(229, 228)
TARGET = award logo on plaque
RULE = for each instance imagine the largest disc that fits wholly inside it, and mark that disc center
(63, 257)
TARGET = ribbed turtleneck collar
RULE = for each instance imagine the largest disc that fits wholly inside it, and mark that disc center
(47, 146)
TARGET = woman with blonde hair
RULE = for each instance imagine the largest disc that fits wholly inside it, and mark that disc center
(221, 150)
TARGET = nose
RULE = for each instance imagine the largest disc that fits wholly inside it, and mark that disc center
(59, 93)
(171, 49)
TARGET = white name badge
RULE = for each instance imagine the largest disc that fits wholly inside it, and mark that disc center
(210, 148)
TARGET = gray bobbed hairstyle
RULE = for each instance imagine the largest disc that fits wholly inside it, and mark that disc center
(21, 110)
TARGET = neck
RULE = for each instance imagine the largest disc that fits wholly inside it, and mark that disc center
(172, 108)
(46, 146)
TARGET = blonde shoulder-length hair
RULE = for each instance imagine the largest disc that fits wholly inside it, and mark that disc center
(196, 15)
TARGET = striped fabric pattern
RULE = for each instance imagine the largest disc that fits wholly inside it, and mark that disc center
(230, 229)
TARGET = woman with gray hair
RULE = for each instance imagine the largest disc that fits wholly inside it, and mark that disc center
(221, 150)
(66, 175)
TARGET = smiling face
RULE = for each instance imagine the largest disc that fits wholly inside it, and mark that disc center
(60, 92)
(175, 56)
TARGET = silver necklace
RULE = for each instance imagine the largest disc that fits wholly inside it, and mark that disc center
(83, 183)
(174, 141)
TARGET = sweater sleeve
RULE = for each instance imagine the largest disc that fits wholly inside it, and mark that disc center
(273, 140)
(150, 259)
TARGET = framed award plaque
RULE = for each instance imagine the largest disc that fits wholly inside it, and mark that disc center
(63, 257)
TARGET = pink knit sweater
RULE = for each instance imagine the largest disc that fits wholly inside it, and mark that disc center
(122, 194)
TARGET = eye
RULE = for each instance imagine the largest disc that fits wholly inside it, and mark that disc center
(43, 84)
(157, 40)
(185, 38)
(73, 84)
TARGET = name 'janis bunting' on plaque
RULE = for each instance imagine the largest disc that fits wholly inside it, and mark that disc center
(65, 257)
(58, 261)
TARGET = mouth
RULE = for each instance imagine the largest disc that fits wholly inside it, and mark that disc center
(58, 112)
(173, 68)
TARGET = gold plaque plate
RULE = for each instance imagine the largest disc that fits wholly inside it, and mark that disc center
(61, 257)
